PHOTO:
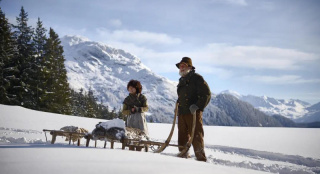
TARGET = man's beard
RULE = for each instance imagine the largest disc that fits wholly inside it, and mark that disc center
(184, 73)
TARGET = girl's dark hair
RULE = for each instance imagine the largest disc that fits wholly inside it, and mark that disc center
(135, 84)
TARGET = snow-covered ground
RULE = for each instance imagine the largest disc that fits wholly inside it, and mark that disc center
(23, 149)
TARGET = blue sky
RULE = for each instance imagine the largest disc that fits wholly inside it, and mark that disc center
(258, 47)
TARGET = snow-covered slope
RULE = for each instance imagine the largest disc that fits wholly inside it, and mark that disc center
(107, 71)
(24, 149)
(292, 109)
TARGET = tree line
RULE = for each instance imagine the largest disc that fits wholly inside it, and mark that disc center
(33, 74)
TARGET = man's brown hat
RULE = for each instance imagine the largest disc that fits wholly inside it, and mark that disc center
(187, 61)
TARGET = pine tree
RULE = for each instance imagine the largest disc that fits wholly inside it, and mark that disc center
(113, 113)
(39, 42)
(120, 115)
(105, 114)
(75, 103)
(91, 105)
(103, 110)
(82, 102)
(57, 92)
(26, 61)
(8, 70)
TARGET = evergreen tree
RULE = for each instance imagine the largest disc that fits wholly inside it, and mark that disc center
(82, 103)
(74, 103)
(120, 115)
(8, 68)
(92, 108)
(105, 114)
(26, 61)
(103, 110)
(86, 105)
(77, 103)
(39, 42)
(57, 92)
(113, 113)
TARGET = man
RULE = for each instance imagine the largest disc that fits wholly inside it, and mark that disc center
(193, 96)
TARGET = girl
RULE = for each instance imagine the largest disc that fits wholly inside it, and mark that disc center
(135, 106)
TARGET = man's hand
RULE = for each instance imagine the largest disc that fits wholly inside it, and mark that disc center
(193, 108)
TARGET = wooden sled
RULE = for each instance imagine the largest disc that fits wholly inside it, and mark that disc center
(133, 144)
(56, 133)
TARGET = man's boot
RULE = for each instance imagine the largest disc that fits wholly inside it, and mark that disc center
(201, 156)
(186, 155)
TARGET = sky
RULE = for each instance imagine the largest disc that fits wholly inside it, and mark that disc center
(257, 47)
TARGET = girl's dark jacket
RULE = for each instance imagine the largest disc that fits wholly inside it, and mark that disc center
(192, 89)
(139, 101)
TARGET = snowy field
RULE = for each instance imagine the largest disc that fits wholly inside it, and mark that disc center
(23, 149)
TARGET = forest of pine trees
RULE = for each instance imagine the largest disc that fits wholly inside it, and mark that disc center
(33, 75)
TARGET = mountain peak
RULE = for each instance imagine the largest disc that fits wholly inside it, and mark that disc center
(231, 92)
(81, 47)
(265, 97)
(74, 39)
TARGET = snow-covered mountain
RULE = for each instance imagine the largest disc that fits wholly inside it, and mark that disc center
(292, 108)
(107, 71)
(227, 110)
(313, 114)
